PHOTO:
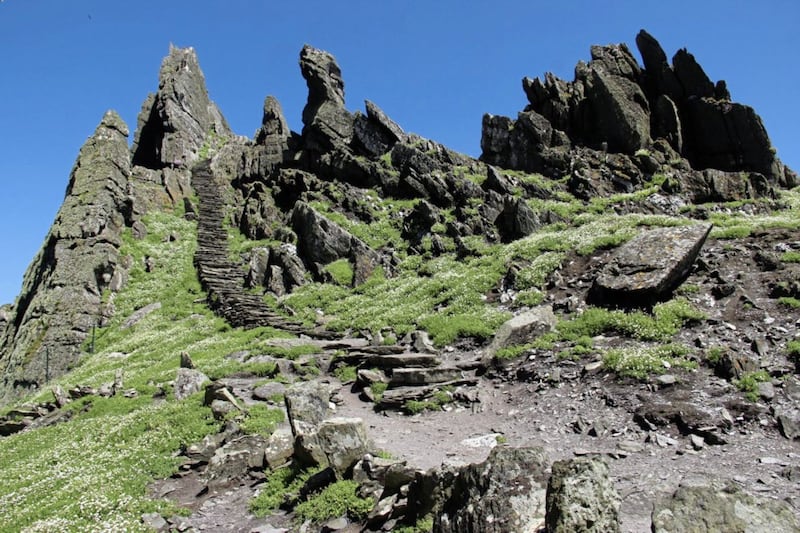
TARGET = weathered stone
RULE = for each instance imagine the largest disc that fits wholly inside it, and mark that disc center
(376, 133)
(307, 405)
(521, 329)
(733, 365)
(188, 382)
(687, 417)
(408, 360)
(504, 494)
(517, 220)
(235, 459)
(789, 423)
(279, 447)
(581, 497)
(139, 314)
(651, 265)
(321, 241)
(61, 294)
(342, 442)
(274, 133)
(176, 122)
(326, 122)
(721, 507)
(424, 376)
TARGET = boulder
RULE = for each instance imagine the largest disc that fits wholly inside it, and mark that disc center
(321, 241)
(307, 405)
(279, 448)
(424, 376)
(581, 497)
(342, 442)
(235, 459)
(650, 266)
(789, 423)
(521, 329)
(188, 382)
(721, 507)
(516, 220)
(504, 494)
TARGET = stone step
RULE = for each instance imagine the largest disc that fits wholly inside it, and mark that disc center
(424, 376)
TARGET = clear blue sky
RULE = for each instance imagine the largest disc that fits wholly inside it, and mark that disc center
(434, 66)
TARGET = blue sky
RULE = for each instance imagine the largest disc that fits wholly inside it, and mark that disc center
(434, 67)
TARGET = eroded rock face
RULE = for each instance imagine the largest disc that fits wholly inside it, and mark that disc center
(504, 494)
(581, 497)
(327, 122)
(718, 507)
(60, 300)
(175, 122)
(613, 105)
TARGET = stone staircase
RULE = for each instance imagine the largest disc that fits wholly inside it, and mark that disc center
(221, 277)
(409, 375)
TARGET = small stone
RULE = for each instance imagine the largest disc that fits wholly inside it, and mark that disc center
(591, 368)
(766, 390)
(665, 380)
(154, 521)
(698, 443)
(630, 446)
(335, 524)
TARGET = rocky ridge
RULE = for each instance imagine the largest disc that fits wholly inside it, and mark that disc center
(665, 131)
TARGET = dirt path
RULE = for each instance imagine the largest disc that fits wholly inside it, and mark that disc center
(642, 470)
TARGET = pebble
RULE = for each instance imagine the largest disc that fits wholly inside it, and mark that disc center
(698, 442)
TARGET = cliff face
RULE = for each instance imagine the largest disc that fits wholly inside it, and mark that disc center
(63, 289)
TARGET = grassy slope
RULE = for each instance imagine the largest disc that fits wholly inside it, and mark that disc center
(91, 473)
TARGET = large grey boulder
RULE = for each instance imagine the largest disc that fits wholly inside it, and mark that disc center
(61, 293)
(504, 494)
(649, 266)
(188, 381)
(581, 498)
(721, 507)
(235, 459)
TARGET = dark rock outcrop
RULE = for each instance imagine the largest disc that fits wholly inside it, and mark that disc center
(175, 122)
(327, 123)
(613, 105)
(61, 298)
(321, 241)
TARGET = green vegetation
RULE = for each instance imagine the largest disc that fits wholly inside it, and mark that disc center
(423, 525)
(378, 388)
(789, 301)
(793, 348)
(281, 485)
(642, 362)
(790, 257)
(666, 320)
(439, 399)
(512, 352)
(748, 383)
(90, 473)
(341, 271)
(261, 420)
(335, 500)
(345, 374)
(714, 354)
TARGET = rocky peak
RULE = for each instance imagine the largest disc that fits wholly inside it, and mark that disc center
(613, 105)
(327, 122)
(61, 294)
(175, 122)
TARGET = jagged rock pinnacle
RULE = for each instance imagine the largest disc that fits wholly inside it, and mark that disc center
(175, 122)
(60, 300)
(326, 121)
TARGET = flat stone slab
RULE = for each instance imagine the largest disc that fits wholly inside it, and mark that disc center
(424, 376)
(651, 265)
(403, 360)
